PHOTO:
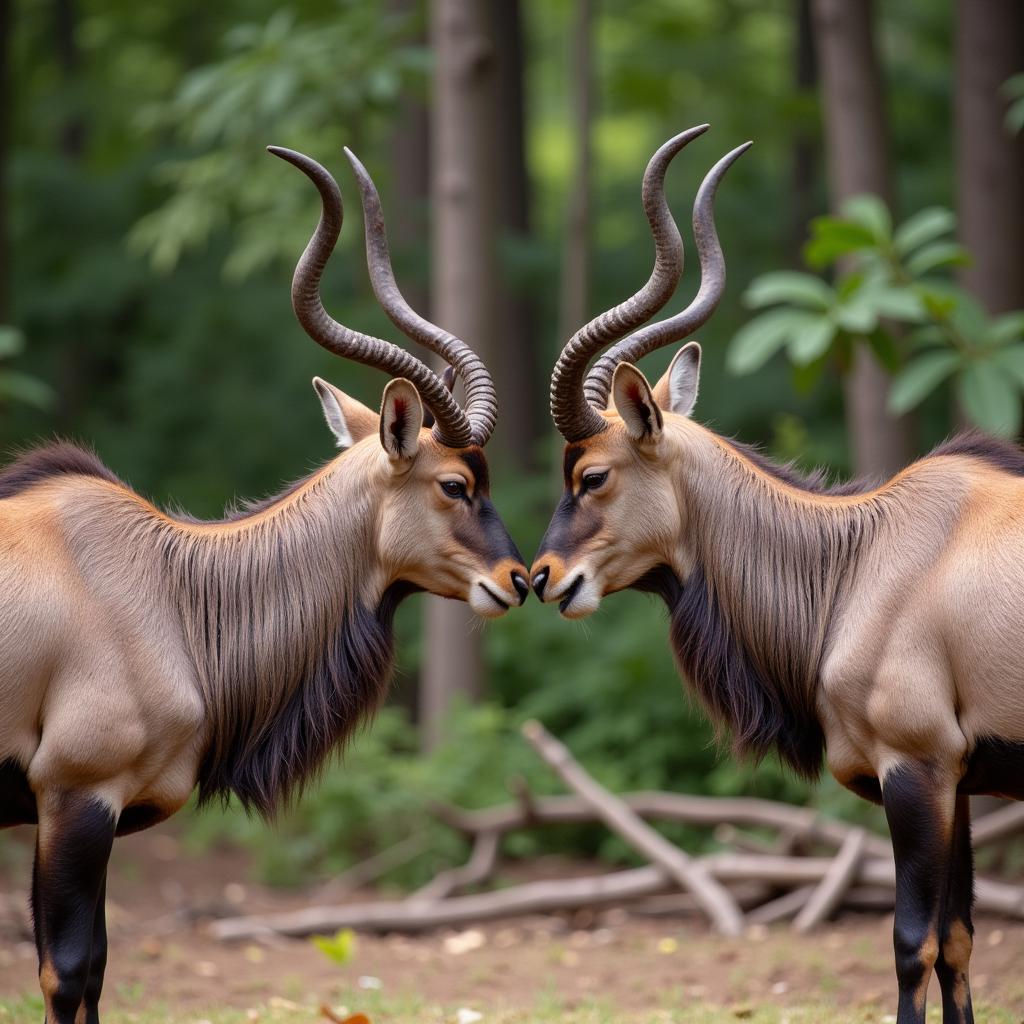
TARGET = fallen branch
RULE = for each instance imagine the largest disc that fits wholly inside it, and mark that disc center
(477, 869)
(997, 825)
(714, 899)
(797, 823)
(373, 867)
(413, 916)
(829, 892)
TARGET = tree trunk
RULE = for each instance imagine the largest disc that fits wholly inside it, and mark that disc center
(989, 161)
(576, 251)
(518, 356)
(804, 166)
(464, 287)
(858, 162)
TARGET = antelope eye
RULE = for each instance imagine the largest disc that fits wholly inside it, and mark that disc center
(454, 488)
(592, 481)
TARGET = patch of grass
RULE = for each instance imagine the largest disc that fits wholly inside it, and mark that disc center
(387, 1010)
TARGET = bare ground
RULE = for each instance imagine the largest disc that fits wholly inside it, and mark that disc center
(160, 902)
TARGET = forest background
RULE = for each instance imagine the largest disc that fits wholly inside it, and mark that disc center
(147, 243)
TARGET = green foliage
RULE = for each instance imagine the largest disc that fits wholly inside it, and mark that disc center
(888, 278)
(15, 386)
(278, 81)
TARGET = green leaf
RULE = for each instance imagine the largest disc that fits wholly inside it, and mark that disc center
(787, 286)
(871, 213)
(919, 378)
(899, 303)
(832, 238)
(938, 254)
(1011, 359)
(1006, 328)
(990, 398)
(924, 226)
(23, 388)
(756, 342)
(858, 315)
(339, 948)
(811, 341)
(12, 341)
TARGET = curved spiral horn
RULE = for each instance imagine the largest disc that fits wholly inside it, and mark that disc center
(481, 399)
(452, 426)
(682, 325)
(573, 416)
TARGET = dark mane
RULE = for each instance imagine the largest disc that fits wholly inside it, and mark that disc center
(728, 681)
(975, 444)
(815, 482)
(58, 458)
(342, 686)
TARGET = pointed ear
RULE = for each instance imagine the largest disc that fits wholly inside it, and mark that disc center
(635, 403)
(401, 417)
(350, 421)
(677, 390)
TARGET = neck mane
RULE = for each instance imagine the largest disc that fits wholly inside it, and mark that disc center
(291, 643)
(750, 622)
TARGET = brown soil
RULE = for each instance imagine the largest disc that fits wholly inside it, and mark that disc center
(160, 902)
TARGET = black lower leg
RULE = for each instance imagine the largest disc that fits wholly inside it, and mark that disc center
(76, 833)
(98, 959)
(920, 814)
(956, 931)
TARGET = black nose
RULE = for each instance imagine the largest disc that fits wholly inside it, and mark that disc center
(540, 581)
(522, 587)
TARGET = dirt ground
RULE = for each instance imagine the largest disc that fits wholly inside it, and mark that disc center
(161, 901)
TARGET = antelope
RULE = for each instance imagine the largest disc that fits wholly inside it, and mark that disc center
(144, 654)
(877, 628)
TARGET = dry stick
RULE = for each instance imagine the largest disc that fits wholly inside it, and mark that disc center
(781, 907)
(714, 899)
(478, 868)
(998, 825)
(692, 810)
(839, 877)
(372, 868)
(413, 916)
(574, 893)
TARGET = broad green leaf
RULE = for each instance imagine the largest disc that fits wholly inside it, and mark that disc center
(871, 213)
(756, 342)
(12, 341)
(858, 315)
(938, 254)
(899, 303)
(811, 341)
(1011, 359)
(1006, 328)
(919, 378)
(926, 337)
(832, 238)
(969, 318)
(925, 226)
(23, 388)
(787, 286)
(990, 398)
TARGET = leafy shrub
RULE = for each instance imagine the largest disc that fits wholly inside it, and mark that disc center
(889, 278)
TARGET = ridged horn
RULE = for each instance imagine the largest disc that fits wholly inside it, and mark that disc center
(452, 426)
(682, 325)
(574, 417)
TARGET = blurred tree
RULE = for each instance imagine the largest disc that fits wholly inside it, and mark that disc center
(6, 19)
(989, 158)
(464, 290)
(806, 142)
(857, 150)
(575, 304)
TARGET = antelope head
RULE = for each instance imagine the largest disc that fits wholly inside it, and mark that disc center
(427, 475)
(620, 516)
